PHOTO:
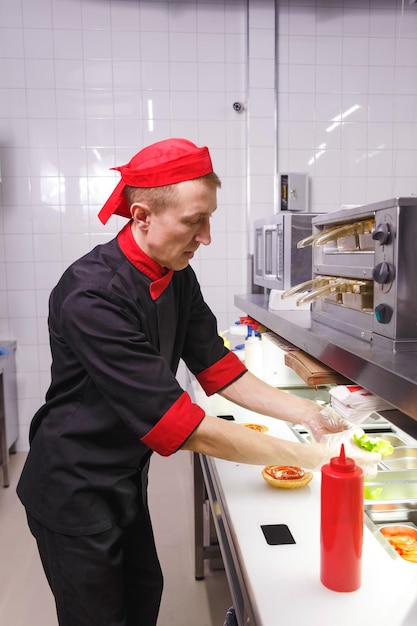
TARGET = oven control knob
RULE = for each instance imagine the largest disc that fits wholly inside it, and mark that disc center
(382, 233)
(383, 313)
(382, 273)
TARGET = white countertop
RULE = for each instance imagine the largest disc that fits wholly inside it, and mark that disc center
(284, 580)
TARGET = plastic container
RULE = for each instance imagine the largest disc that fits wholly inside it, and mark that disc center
(253, 352)
(225, 340)
(238, 330)
(341, 524)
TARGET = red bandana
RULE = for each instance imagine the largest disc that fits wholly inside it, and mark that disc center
(163, 163)
(160, 276)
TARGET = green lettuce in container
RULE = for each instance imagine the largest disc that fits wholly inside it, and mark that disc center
(373, 444)
(373, 493)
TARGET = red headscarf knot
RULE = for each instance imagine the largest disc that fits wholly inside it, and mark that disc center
(162, 163)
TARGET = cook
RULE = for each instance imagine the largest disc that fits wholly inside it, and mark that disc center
(120, 320)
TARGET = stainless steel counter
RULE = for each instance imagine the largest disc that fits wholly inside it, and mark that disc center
(391, 375)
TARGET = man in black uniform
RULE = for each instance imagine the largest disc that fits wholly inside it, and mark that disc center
(120, 319)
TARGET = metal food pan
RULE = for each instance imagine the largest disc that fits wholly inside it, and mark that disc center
(402, 458)
(394, 440)
(409, 526)
(392, 487)
(403, 452)
(392, 513)
(377, 423)
(400, 464)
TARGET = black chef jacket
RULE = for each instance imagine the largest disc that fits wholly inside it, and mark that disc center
(118, 324)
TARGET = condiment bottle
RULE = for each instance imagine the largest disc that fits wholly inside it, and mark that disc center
(341, 524)
(253, 352)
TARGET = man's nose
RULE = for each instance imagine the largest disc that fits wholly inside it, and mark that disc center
(204, 234)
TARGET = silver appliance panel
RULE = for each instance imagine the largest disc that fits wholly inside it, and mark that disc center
(390, 267)
(278, 263)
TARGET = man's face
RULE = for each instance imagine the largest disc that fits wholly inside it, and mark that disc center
(172, 237)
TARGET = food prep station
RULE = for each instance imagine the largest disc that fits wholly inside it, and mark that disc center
(280, 584)
(390, 499)
(272, 585)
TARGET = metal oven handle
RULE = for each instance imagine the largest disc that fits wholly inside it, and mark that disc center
(319, 281)
(333, 288)
(357, 228)
(322, 292)
(331, 234)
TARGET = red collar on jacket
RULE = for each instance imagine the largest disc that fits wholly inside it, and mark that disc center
(160, 276)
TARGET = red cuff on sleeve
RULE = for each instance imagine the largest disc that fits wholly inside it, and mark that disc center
(174, 428)
(221, 373)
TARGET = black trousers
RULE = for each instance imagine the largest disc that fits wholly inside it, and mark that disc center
(108, 579)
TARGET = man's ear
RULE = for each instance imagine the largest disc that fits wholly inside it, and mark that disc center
(140, 214)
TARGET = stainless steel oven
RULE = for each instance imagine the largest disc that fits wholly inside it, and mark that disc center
(364, 272)
(278, 263)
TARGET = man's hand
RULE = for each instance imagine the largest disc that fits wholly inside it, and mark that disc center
(368, 461)
(326, 422)
(329, 428)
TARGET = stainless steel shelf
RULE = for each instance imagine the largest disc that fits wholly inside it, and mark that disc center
(391, 375)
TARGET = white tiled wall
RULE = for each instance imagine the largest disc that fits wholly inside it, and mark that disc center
(85, 83)
(356, 58)
(262, 135)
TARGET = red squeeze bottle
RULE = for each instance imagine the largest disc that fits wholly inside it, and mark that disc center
(341, 524)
